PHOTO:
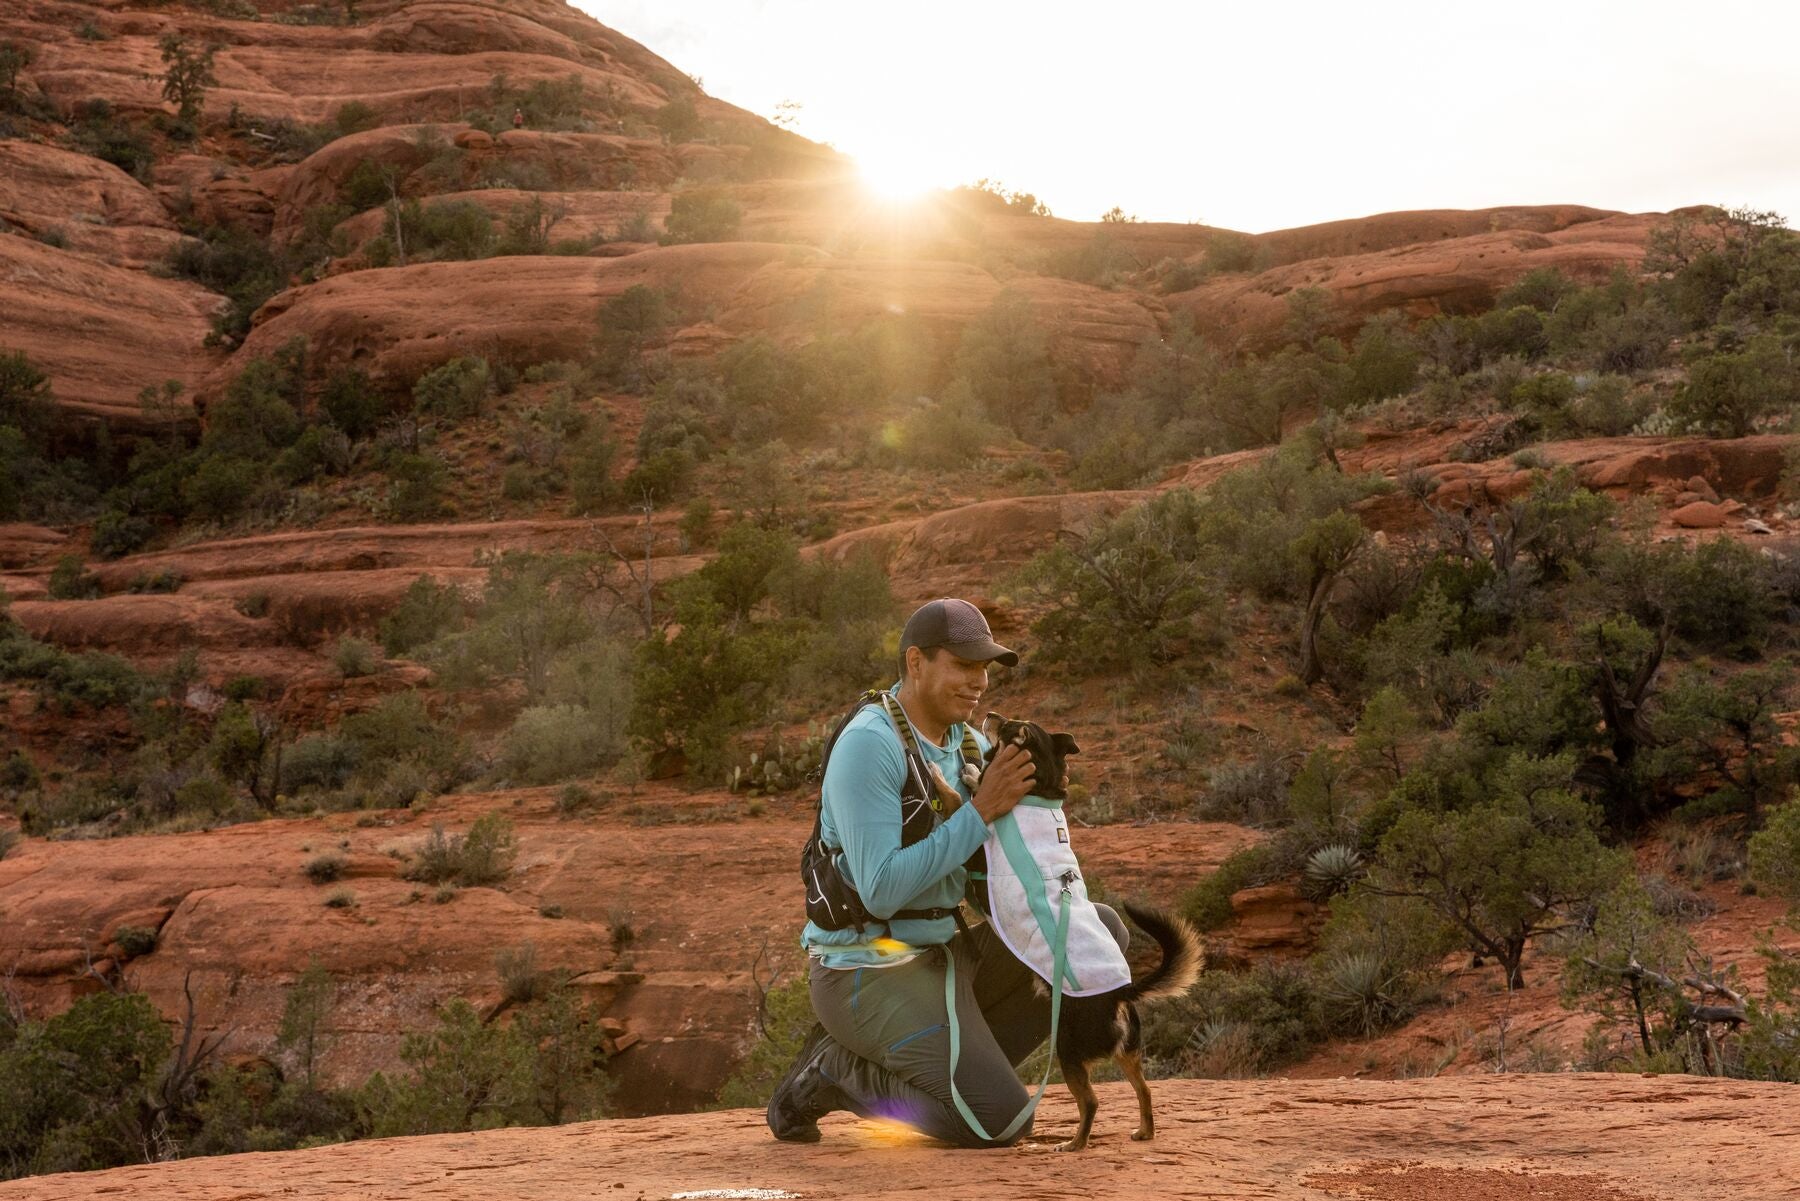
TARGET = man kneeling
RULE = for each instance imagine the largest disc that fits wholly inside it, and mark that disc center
(890, 994)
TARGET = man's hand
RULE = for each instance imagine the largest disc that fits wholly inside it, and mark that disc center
(1005, 783)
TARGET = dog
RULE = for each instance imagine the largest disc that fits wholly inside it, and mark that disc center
(1106, 1024)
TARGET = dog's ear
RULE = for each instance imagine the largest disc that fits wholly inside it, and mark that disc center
(1064, 744)
(990, 727)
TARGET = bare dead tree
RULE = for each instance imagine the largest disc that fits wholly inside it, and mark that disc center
(763, 990)
(178, 1085)
(1715, 1004)
(640, 589)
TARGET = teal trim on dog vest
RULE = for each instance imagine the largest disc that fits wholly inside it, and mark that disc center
(1031, 881)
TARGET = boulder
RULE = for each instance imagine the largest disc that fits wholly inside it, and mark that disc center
(1700, 515)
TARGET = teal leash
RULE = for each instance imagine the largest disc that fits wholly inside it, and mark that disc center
(1061, 945)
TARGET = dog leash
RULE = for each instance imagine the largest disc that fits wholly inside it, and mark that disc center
(1060, 943)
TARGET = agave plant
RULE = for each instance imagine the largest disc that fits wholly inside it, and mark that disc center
(1361, 992)
(1331, 870)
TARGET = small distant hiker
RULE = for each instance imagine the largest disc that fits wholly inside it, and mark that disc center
(518, 118)
(902, 985)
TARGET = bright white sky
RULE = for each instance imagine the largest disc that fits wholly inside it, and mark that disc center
(1261, 116)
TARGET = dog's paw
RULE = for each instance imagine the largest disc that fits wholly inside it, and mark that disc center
(1074, 1144)
(1142, 1136)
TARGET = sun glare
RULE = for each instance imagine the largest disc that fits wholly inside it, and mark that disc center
(895, 174)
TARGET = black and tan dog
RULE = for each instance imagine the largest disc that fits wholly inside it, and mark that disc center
(1106, 1024)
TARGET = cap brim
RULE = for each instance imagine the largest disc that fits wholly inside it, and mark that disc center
(983, 652)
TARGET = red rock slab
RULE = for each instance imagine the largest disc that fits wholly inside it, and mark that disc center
(1560, 1137)
(1459, 275)
(101, 333)
(400, 322)
(1087, 327)
(144, 624)
(1385, 231)
(370, 548)
(245, 920)
(95, 207)
(568, 159)
(969, 546)
(23, 544)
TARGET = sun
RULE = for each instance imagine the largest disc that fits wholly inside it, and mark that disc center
(896, 172)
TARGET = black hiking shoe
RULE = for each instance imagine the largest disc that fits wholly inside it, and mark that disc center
(804, 1094)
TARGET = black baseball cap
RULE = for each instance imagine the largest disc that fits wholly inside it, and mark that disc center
(958, 627)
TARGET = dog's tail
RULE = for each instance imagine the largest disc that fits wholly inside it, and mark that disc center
(1181, 955)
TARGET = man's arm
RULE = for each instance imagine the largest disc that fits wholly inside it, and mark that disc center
(862, 786)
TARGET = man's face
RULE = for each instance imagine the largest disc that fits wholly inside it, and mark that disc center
(948, 687)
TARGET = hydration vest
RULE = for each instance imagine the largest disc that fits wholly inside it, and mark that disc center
(831, 901)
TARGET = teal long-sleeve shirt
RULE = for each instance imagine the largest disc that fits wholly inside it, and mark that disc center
(861, 814)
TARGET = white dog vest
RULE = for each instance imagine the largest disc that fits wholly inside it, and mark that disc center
(1030, 863)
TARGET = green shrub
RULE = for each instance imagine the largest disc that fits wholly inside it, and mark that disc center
(75, 803)
(662, 477)
(549, 743)
(694, 688)
(591, 487)
(1541, 288)
(1775, 852)
(70, 580)
(1005, 358)
(76, 1083)
(482, 856)
(1228, 252)
(104, 135)
(1503, 869)
(1384, 362)
(955, 432)
(1207, 904)
(117, 534)
(1237, 1025)
(352, 402)
(323, 869)
(701, 215)
(401, 728)
(353, 657)
(353, 116)
(427, 612)
(416, 486)
(677, 119)
(220, 487)
(235, 262)
(319, 451)
(629, 323)
(1136, 589)
(457, 389)
(1360, 993)
(134, 941)
(1728, 394)
(318, 761)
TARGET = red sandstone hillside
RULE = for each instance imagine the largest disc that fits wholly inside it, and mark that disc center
(1547, 1138)
(233, 905)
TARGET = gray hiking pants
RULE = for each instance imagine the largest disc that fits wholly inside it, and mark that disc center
(890, 1038)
